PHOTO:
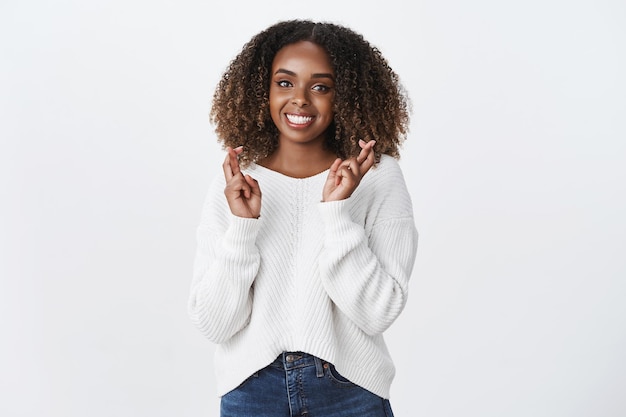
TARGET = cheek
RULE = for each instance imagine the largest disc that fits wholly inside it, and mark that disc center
(274, 114)
(327, 107)
(322, 101)
(277, 101)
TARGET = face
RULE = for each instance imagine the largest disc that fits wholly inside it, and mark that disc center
(302, 91)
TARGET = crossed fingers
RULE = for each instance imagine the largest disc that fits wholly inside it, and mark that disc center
(357, 167)
(242, 191)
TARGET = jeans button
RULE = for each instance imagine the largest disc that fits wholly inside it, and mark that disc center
(289, 358)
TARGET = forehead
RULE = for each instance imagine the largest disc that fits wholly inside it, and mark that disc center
(302, 55)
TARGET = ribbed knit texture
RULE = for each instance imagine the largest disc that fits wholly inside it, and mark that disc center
(326, 278)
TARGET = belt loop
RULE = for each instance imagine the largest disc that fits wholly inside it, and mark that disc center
(318, 367)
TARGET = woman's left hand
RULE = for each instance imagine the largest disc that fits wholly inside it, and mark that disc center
(346, 175)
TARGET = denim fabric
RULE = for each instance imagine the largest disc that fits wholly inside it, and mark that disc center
(299, 384)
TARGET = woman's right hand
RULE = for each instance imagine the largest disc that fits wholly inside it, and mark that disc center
(242, 191)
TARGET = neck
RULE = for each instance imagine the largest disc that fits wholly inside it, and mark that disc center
(299, 160)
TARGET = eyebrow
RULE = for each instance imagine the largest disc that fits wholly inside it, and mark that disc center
(316, 75)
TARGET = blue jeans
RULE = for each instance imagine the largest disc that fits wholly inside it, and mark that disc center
(299, 384)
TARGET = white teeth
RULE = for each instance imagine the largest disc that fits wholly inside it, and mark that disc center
(299, 120)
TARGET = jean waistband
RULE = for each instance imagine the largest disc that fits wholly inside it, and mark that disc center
(294, 360)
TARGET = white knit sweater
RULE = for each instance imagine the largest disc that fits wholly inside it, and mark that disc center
(326, 278)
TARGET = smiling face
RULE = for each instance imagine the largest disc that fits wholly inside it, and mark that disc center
(302, 92)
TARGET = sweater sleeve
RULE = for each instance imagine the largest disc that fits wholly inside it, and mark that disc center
(226, 263)
(366, 273)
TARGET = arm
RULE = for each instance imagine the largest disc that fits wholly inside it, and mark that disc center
(366, 273)
(225, 266)
(227, 259)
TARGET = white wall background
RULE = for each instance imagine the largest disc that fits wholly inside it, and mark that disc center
(515, 163)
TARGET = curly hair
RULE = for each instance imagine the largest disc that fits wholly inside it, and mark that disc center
(370, 102)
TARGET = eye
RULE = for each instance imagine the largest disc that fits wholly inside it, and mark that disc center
(283, 83)
(321, 88)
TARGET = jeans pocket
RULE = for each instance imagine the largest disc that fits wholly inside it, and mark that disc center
(336, 377)
(249, 379)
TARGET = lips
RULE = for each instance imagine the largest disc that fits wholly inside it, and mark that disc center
(299, 120)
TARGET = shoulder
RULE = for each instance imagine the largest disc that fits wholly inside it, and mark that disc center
(388, 163)
(383, 191)
(385, 174)
(215, 207)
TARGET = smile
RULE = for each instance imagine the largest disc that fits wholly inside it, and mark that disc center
(299, 120)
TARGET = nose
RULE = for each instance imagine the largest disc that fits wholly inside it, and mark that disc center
(300, 97)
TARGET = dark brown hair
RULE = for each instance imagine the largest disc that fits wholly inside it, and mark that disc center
(370, 102)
